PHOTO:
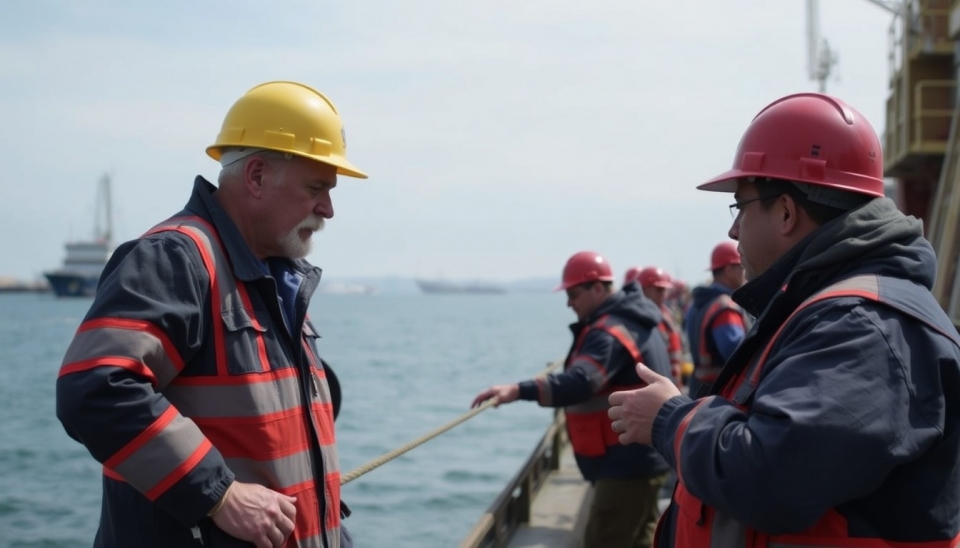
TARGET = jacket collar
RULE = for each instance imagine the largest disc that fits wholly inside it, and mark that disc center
(244, 263)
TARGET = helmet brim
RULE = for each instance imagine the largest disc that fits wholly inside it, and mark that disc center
(726, 181)
(344, 167)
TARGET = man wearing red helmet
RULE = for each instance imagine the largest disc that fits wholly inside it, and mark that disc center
(834, 423)
(655, 283)
(614, 331)
(715, 324)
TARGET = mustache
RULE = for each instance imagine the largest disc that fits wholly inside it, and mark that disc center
(314, 223)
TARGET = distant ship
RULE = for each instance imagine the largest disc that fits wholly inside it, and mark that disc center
(84, 261)
(438, 286)
(346, 288)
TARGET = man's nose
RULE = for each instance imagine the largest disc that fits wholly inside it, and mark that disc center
(324, 207)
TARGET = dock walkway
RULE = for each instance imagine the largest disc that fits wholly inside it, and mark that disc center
(558, 514)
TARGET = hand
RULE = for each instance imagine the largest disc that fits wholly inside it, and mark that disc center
(633, 411)
(505, 393)
(257, 514)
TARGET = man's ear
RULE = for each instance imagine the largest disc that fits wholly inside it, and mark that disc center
(787, 214)
(253, 176)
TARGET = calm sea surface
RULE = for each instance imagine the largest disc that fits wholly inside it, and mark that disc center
(407, 363)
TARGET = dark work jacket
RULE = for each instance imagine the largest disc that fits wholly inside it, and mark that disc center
(179, 386)
(854, 417)
(598, 364)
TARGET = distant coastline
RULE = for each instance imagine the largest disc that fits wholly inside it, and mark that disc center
(12, 285)
(358, 285)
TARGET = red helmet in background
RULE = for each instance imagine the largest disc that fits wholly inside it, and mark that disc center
(656, 277)
(679, 286)
(583, 267)
(724, 254)
(808, 138)
(632, 274)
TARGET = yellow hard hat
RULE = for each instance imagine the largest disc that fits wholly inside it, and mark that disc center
(287, 117)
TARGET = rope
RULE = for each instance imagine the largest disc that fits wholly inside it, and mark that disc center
(387, 457)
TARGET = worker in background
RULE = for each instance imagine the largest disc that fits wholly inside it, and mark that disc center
(715, 324)
(835, 422)
(194, 378)
(679, 299)
(655, 284)
(614, 331)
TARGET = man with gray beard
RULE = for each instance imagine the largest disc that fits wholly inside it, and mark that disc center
(194, 377)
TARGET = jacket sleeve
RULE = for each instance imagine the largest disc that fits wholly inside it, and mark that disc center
(727, 330)
(591, 367)
(831, 418)
(144, 325)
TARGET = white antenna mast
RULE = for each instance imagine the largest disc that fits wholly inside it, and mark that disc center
(820, 58)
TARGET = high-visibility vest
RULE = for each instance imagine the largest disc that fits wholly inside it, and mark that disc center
(264, 406)
(708, 362)
(701, 526)
(588, 425)
(671, 336)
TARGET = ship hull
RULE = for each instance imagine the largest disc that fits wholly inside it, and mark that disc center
(65, 284)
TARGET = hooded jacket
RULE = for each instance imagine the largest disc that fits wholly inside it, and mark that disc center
(598, 363)
(852, 430)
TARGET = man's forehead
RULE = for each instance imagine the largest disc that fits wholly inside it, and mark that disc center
(317, 171)
(743, 185)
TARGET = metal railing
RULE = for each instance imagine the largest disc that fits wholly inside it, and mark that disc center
(924, 125)
(933, 106)
(942, 228)
(512, 506)
(929, 25)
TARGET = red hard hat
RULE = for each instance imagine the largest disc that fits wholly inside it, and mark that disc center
(725, 253)
(583, 267)
(808, 138)
(656, 277)
(632, 274)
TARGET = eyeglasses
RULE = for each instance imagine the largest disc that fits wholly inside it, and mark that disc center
(737, 207)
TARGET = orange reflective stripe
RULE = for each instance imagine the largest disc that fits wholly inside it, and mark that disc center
(681, 430)
(208, 263)
(720, 303)
(169, 350)
(135, 367)
(160, 455)
(620, 333)
(142, 438)
(259, 436)
(261, 345)
(135, 345)
(178, 474)
(865, 286)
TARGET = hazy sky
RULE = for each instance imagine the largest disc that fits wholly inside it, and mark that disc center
(500, 136)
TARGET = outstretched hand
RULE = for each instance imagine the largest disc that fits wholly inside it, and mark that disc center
(633, 411)
(505, 393)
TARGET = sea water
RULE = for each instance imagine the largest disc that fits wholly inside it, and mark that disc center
(407, 363)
